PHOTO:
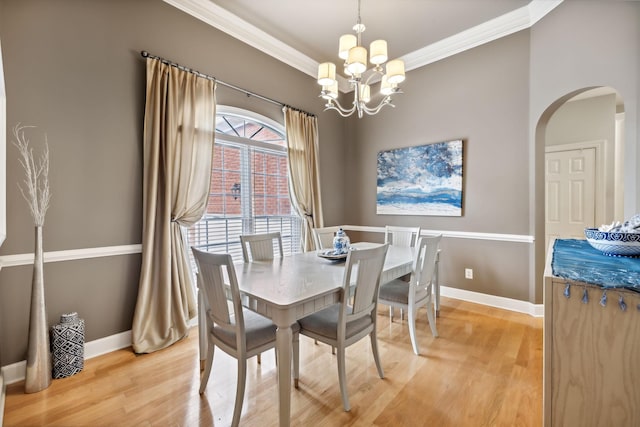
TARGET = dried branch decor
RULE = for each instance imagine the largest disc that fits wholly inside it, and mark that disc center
(37, 192)
(38, 196)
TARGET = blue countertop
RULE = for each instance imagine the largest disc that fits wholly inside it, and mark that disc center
(577, 260)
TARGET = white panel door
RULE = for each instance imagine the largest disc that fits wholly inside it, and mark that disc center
(569, 193)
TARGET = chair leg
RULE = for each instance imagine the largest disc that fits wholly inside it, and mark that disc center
(374, 350)
(207, 369)
(242, 380)
(296, 359)
(342, 378)
(259, 358)
(432, 319)
(391, 313)
(412, 329)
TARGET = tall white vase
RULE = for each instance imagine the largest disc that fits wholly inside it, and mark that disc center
(38, 374)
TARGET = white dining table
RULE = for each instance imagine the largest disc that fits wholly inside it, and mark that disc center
(289, 288)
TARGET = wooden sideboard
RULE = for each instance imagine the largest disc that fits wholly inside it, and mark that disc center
(591, 355)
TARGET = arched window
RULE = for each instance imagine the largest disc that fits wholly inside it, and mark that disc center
(249, 185)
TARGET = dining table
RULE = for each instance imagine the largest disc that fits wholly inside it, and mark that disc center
(292, 287)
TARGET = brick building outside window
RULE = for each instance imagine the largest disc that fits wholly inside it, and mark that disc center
(249, 186)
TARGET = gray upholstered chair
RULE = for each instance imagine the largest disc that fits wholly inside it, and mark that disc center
(323, 237)
(236, 330)
(401, 236)
(260, 247)
(418, 292)
(342, 324)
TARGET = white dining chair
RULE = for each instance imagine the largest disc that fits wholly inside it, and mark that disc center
(401, 236)
(323, 237)
(236, 330)
(418, 292)
(260, 247)
(343, 324)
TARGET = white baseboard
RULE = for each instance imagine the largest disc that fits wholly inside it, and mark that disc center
(536, 310)
(16, 371)
(3, 391)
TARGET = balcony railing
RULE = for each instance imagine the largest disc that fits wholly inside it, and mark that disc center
(222, 235)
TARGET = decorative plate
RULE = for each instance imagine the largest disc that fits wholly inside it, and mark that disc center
(614, 243)
(331, 255)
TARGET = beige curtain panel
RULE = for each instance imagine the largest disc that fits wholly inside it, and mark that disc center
(302, 149)
(179, 128)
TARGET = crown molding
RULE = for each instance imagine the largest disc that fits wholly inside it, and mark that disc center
(214, 15)
(486, 32)
(509, 23)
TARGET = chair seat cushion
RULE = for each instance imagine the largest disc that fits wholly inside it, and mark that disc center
(396, 291)
(325, 323)
(258, 330)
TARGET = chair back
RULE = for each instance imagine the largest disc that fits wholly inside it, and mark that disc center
(369, 264)
(323, 237)
(211, 282)
(401, 236)
(424, 265)
(260, 247)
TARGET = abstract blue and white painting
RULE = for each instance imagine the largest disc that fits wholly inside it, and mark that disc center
(422, 180)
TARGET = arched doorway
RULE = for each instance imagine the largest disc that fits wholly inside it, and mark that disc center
(590, 118)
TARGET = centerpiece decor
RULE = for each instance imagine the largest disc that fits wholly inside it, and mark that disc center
(36, 193)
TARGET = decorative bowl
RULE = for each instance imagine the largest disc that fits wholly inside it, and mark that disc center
(614, 243)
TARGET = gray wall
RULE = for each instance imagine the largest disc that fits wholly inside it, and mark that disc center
(73, 68)
(582, 44)
(494, 97)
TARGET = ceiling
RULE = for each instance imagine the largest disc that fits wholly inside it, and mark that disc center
(303, 33)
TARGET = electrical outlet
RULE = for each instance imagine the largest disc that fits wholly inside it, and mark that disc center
(468, 273)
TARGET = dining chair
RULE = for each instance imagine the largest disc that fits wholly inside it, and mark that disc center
(418, 291)
(401, 236)
(260, 247)
(236, 330)
(323, 237)
(343, 324)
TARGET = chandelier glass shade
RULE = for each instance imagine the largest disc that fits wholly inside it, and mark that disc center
(355, 56)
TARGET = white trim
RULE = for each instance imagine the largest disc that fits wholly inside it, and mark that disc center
(536, 310)
(70, 255)
(76, 254)
(214, 15)
(16, 371)
(3, 392)
(509, 23)
(518, 238)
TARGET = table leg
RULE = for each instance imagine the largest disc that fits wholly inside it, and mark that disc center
(436, 284)
(284, 337)
(202, 330)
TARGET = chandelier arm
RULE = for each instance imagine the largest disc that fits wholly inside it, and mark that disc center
(343, 113)
(386, 101)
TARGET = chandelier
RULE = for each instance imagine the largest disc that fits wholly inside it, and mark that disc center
(360, 79)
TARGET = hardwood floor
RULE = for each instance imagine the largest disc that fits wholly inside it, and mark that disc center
(485, 369)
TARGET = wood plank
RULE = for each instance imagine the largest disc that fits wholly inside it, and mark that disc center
(484, 369)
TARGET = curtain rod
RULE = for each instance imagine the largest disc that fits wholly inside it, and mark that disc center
(146, 54)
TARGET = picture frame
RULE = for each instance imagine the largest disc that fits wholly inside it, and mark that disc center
(421, 180)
